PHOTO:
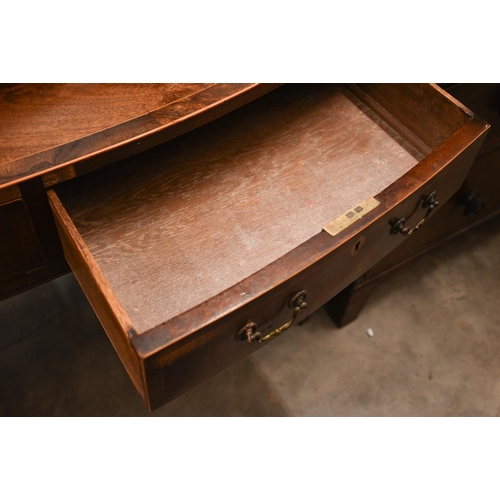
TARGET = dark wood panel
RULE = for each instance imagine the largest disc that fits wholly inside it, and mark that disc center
(19, 251)
(45, 232)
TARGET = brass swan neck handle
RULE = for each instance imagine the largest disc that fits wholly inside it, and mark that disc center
(251, 334)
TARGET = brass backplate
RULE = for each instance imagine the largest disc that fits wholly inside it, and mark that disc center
(351, 216)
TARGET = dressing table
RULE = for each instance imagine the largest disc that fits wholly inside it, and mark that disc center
(204, 220)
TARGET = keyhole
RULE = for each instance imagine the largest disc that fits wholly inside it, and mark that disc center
(355, 248)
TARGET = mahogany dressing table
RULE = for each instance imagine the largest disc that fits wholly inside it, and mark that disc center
(204, 220)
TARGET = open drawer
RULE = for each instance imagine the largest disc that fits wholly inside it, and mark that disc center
(195, 253)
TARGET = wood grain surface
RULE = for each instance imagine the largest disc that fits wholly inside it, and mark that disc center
(45, 127)
(422, 109)
(65, 113)
(183, 222)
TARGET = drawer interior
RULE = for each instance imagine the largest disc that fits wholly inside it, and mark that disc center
(175, 226)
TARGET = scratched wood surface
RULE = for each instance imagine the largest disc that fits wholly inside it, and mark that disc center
(191, 218)
(45, 128)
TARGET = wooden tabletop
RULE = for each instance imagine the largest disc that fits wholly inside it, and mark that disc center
(47, 127)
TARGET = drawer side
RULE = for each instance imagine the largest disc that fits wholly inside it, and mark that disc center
(113, 318)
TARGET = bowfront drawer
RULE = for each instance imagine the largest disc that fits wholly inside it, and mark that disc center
(196, 253)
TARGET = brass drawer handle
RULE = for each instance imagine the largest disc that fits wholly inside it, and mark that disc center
(399, 227)
(249, 331)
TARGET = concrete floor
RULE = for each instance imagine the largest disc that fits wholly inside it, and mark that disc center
(434, 352)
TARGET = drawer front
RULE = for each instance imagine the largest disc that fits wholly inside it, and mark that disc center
(21, 253)
(477, 199)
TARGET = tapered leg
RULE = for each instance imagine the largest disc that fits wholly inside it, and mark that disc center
(346, 306)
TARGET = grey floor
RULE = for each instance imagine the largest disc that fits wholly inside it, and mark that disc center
(435, 352)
